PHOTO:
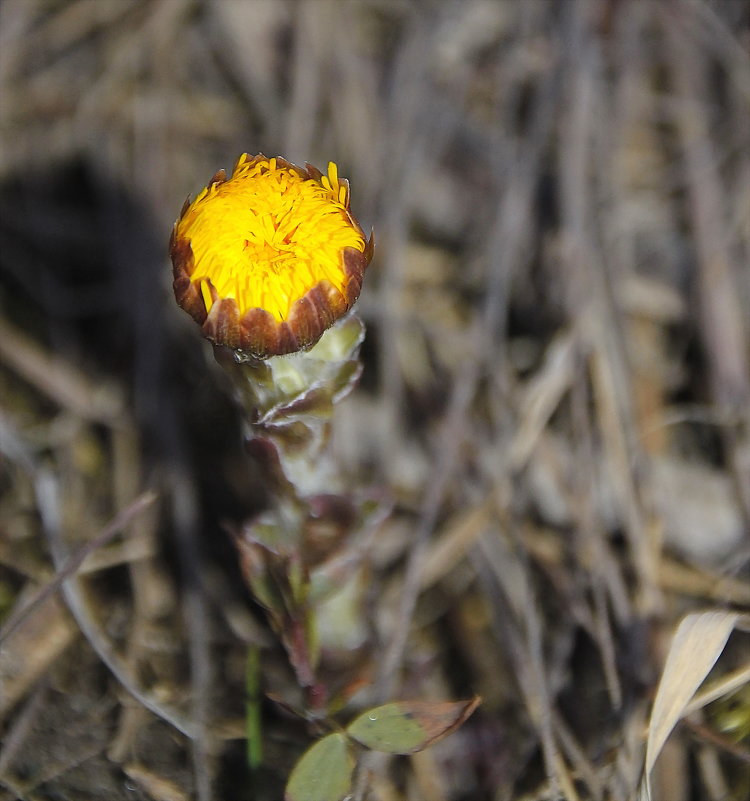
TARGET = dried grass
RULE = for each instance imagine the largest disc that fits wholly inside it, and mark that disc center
(556, 390)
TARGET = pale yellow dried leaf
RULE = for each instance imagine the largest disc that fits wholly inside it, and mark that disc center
(698, 642)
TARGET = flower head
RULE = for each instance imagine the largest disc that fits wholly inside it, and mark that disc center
(269, 258)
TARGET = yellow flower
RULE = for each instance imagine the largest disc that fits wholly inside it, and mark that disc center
(268, 259)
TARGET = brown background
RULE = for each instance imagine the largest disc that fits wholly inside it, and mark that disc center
(556, 390)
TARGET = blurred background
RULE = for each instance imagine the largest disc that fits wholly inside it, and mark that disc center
(556, 387)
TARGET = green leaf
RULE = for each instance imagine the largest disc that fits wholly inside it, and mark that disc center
(405, 727)
(324, 771)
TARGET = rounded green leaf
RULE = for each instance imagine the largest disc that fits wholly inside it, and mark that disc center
(324, 771)
(405, 727)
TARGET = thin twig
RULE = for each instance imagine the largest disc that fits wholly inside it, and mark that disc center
(73, 563)
(47, 494)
